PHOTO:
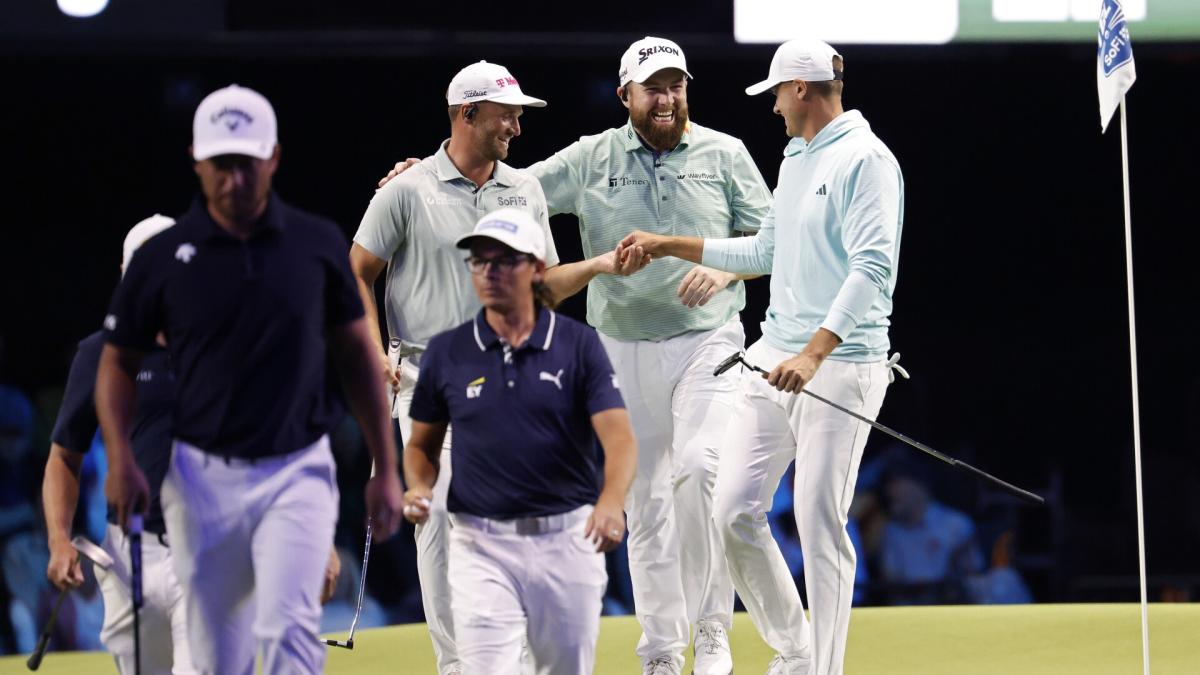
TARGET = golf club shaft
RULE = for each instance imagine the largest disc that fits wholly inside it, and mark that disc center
(1003, 485)
(348, 643)
(35, 659)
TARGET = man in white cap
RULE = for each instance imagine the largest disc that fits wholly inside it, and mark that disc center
(255, 298)
(839, 214)
(407, 229)
(534, 499)
(664, 173)
(164, 647)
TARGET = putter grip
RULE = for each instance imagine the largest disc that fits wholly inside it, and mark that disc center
(35, 659)
(136, 524)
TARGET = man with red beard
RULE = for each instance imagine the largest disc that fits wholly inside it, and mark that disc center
(662, 173)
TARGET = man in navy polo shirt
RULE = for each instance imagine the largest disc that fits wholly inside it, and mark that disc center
(528, 393)
(253, 297)
(164, 647)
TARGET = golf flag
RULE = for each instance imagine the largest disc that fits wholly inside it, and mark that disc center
(1115, 73)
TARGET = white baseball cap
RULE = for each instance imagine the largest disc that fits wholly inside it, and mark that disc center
(648, 56)
(485, 81)
(234, 121)
(804, 59)
(514, 228)
(139, 234)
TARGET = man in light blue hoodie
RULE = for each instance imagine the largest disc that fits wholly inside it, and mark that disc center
(830, 243)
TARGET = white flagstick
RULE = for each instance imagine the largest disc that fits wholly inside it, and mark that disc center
(1137, 426)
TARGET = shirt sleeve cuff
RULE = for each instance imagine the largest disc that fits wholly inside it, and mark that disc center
(852, 302)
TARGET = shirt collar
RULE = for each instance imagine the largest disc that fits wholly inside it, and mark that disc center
(503, 174)
(271, 220)
(541, 337)
(630, 140)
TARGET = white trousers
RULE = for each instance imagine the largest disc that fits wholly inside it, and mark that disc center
(507, 587)
(163, 617)
(432, 536)
(770, 429)
(250, 544)
(679, 413)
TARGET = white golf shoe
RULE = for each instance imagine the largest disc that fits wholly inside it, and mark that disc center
(712, 656)
(662, 665)
(788, 665)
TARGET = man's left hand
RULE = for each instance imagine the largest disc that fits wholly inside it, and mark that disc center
(606, 526)
(701, 284)
(791, 375)
(385, 499)
(332, 571)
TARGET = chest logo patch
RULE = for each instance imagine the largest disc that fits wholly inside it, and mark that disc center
(185, 253)
(556, 379)
(475, 388)
(821, 191)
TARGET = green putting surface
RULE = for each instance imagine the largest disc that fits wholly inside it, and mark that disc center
(1025, 639)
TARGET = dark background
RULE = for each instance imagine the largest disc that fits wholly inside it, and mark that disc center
(1010, 307)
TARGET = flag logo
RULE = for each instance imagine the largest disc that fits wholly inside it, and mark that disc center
(1114, 49)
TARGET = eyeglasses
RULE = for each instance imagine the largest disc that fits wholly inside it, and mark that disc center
(505, 263)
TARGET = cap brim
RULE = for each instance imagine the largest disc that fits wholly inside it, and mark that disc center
(756, 89)
(518, 99)
(646, 74)
(465, 241)
(233, 146)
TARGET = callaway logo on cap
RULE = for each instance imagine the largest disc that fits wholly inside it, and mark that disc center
(648, 56)
(234, 121)
(485, 81)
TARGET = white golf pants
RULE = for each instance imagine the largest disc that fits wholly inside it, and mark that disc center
(507, 586)
(770, 429)
(163, 617)
(432, 536)
(679, 413)
(250, 542)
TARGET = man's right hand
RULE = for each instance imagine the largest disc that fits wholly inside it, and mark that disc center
(63, 570)
(400, 168)
(417, 503)
(126, 490)
(651, 244)
(391, 374)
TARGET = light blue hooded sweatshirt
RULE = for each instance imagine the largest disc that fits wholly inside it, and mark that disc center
(830, 242)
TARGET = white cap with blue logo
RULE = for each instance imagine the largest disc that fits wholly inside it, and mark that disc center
(234, 121)
(514, 228)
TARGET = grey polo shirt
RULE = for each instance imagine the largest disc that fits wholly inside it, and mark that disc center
(413, 223)
(708, 186)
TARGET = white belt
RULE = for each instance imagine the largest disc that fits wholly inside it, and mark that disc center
(523, 526)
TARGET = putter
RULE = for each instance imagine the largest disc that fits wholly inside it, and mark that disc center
(136, 524)
(348, 643)
(739, 357)
(100, 558)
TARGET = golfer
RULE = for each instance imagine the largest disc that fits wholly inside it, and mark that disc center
(534, 500)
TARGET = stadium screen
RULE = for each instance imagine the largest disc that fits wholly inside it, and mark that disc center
(943, 21)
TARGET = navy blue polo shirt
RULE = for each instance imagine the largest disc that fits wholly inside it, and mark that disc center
(523, 443)
(151, 433)
(246, 325)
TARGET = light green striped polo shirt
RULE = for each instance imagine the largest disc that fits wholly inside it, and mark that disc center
(413, 223)
(708, 186)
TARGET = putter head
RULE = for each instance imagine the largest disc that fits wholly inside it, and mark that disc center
(347, 644)
(728, 363)
(97, 555)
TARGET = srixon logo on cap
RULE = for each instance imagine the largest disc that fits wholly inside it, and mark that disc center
(647, 52)
(233, 117)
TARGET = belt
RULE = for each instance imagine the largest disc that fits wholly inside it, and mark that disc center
(531, 526)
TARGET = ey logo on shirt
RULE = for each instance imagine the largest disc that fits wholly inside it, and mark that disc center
(475, 388)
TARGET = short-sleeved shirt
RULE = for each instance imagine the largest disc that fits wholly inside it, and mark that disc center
(523, 440)
(413, 223)
(151, 430)
(246, 325)
(708, 186)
